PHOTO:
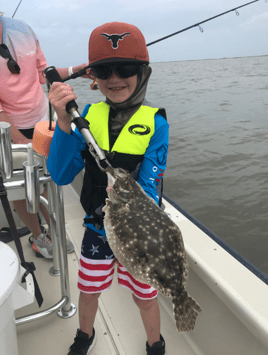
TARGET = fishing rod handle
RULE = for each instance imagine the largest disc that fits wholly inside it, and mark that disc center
(52, 75)
(84, 130)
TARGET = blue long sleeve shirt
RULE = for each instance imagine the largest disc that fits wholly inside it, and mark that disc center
(65, 160)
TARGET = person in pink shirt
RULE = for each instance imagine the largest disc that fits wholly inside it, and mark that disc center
(23, 103)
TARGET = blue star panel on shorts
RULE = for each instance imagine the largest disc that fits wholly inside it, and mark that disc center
(96, 246)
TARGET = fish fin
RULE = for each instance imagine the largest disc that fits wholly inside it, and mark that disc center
(185, 310)
(107, 204)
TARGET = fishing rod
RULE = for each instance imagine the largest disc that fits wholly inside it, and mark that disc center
(199, 23)
(72, 108)
(83, 71)
(17, 8)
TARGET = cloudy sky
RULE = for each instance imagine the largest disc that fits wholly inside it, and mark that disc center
(63, 26)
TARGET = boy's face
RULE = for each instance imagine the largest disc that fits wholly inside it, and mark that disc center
(117, 89)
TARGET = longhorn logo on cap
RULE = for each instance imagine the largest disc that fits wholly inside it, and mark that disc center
(115, 38)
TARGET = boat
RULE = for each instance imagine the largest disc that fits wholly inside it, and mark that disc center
(232, 292)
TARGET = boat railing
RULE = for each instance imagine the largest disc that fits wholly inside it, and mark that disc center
(31, 181)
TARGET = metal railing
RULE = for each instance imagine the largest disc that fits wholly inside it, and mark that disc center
(55, 206)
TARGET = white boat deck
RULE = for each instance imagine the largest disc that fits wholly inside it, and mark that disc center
(118, 324)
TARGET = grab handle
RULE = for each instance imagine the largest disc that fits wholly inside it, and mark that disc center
(6, 161)
(31, 177)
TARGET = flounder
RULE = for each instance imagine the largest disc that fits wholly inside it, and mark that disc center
(148, 244)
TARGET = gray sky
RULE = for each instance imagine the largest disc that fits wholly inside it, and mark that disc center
(63, 26)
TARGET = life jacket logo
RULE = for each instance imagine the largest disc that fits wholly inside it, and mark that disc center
(140, 130)
(115, 38)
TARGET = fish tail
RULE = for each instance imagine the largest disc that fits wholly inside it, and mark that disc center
(185, 311)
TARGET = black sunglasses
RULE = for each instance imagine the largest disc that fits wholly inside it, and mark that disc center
(11, 64)
(123, 70)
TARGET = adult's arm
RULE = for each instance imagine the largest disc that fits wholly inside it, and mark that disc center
(64, 72)
(41, 64)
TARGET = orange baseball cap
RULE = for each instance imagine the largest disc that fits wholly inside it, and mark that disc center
(117, 42)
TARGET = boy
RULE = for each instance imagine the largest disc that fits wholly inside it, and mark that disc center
(134, 136)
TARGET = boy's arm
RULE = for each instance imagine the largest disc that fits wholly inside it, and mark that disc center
(155, 158)
(65, 160)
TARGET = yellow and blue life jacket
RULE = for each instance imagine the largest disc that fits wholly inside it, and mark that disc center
(127, 152)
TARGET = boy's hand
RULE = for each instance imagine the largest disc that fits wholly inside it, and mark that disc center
(59, 95)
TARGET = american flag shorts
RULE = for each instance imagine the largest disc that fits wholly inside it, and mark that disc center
(96, 269)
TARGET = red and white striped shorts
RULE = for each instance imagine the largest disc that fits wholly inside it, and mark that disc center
(97, 275)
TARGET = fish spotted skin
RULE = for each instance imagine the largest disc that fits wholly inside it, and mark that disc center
(148, 244)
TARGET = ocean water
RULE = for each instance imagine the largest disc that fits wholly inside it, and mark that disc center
(217, 166)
